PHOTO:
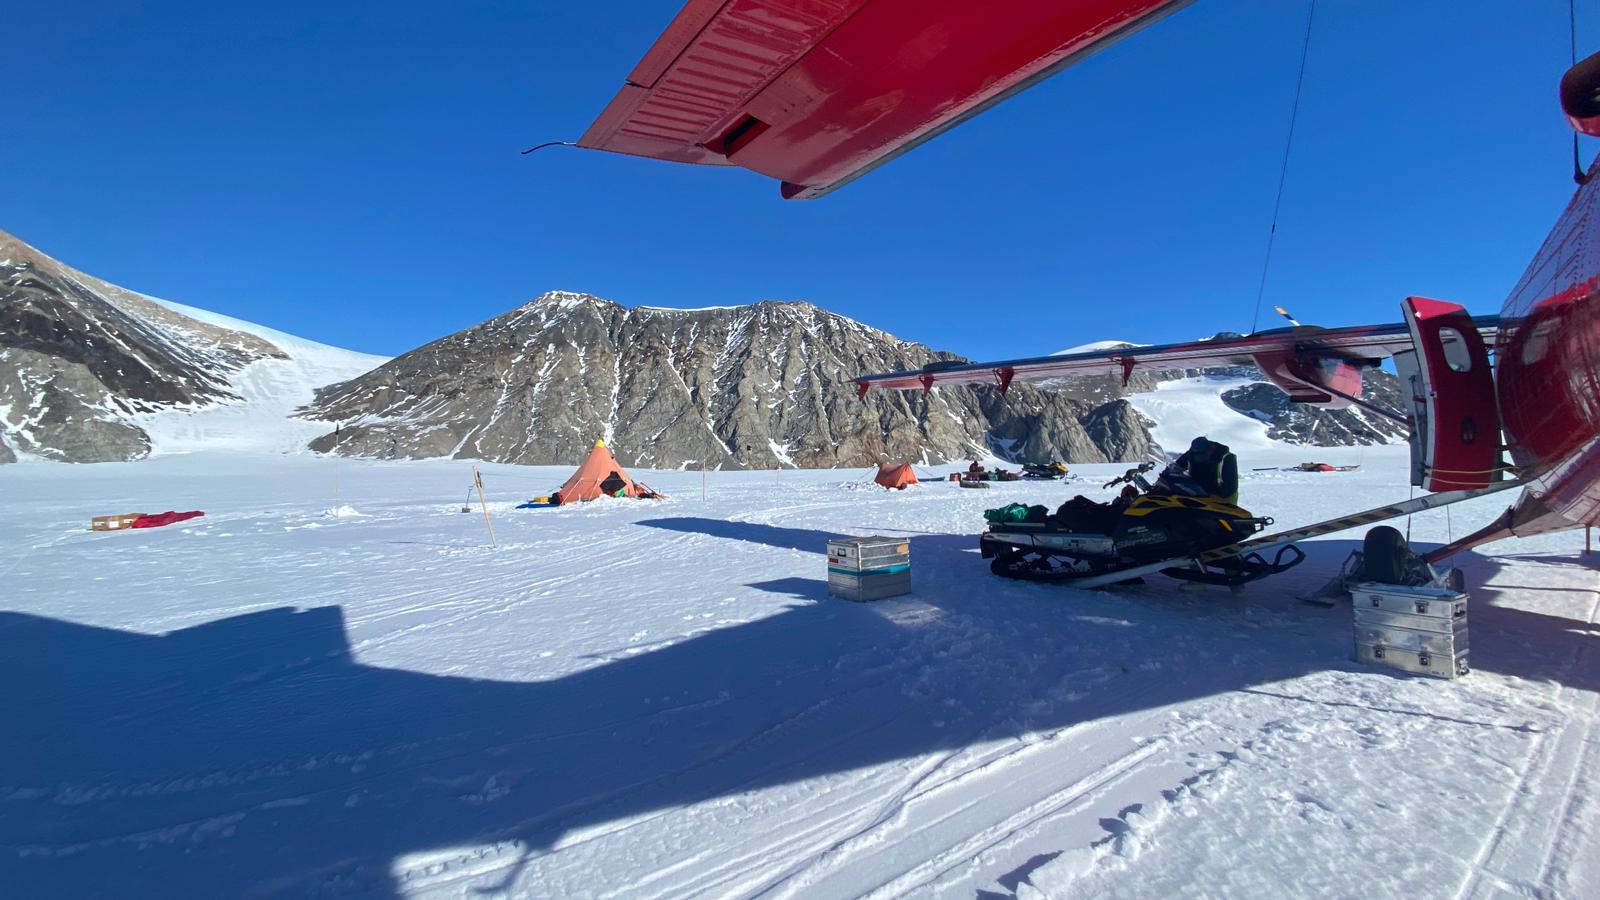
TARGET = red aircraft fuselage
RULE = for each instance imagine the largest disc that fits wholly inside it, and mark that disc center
(1547, 372)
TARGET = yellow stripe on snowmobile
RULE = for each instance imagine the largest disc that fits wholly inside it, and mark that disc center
(1156, 503)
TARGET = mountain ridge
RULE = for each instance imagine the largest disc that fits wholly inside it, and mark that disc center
(90, 371)
(94, 372)
(757, 385)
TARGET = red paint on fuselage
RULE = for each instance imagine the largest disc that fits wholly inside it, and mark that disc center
(1548, 371)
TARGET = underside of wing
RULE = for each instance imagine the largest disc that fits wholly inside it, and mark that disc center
(1313, 365)
(815, 93)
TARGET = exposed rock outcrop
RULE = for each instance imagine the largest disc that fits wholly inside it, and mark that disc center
(79, 355)
(82, 362)
(1120, 431)
(1297, 423)
(749, 386)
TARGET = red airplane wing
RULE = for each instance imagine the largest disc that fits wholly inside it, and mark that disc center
(816, 93)
(1304, 361)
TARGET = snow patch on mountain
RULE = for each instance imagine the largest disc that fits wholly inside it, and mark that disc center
(94, 372)
(270, 390)
(1186, 407)
(1098, 346)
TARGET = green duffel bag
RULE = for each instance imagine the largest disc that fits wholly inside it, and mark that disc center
(1011, 512)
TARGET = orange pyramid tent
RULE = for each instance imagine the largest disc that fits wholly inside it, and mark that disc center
(600, 474)
(895, 477)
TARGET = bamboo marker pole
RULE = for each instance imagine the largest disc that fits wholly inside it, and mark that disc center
(338, 496)
(477, 481)
(702, 481)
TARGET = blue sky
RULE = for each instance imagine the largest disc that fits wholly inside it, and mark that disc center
(350, 172)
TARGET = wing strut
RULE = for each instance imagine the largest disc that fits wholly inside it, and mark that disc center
(1282, 538)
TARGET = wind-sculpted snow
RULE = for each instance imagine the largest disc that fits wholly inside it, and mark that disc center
(658, 699)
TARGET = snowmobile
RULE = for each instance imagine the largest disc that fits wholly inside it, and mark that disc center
(1172, 519)
(1051, 470)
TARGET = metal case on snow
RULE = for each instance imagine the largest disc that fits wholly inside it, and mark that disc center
(869, 568)
(1447, 643)
(1422, 630)
(1412, 661)
(869, 587)
(866, 554)
(1416, 601)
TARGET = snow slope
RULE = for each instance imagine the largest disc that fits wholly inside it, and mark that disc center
(1186, 407)
(659, 699)
(1092, 346)
(271, 390)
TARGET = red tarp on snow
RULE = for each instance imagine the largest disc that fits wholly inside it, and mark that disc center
(156, 520)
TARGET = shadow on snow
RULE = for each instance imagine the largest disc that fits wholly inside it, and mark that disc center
(255, 755)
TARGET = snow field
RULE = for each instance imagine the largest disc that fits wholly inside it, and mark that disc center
(659, 700)
(1186, 407)
(270, 390)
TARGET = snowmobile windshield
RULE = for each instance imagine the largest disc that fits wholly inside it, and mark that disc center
(1172, 482)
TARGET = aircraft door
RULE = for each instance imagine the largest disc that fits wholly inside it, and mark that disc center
(1456, 431)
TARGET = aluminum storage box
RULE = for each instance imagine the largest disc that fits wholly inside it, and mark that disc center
(1422, 630)
(868, 554)
(1448, 643)
(869, 568)
(1417, 601)
(1383, 619)
(1411, 661)
(869, 587)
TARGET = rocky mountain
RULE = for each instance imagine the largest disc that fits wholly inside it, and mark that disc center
(1296, 423)
(749, 386)
(81, 358)
(92, 372)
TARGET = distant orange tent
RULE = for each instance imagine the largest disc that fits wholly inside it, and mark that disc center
(895, 477)
(600, 475)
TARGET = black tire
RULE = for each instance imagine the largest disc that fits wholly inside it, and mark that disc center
(1384, 555)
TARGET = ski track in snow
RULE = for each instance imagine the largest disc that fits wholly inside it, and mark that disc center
(633, 699)
(1552, 779)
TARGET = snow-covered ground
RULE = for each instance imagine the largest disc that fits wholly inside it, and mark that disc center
(658, 699)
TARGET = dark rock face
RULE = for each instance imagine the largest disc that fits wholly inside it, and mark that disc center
(1299, 424)
(78, 355)
(67, 416)
(751, 386)
(1121, 431)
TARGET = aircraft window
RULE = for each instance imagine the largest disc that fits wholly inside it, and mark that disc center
(1456, 354)
(1537, 344)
